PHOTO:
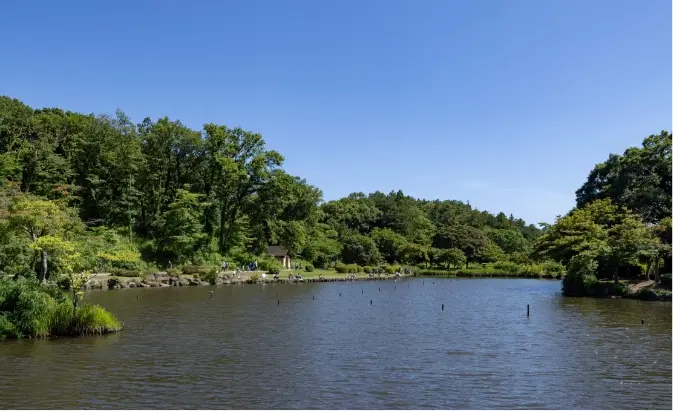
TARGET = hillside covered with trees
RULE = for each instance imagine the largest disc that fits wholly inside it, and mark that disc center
(93, 192)
(137, 196)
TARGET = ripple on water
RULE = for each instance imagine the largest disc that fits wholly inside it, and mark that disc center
(240, 349)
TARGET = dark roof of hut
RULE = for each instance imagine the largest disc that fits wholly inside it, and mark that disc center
(277, 250)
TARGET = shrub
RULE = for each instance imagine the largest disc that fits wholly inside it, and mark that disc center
(266, 264)
(341, 268)
(254, 278)
(390, 269)
(435, 273)
(274, 268)
(353, 268)
(507, 267)
(173, 272)
(308, 268)
(581, 278)
(29, 309)
(531, 270)
(209, 276)
(63, 282)
(121, 272)
(113, 281)
(195, 269)
(367, 269)
(554, 268)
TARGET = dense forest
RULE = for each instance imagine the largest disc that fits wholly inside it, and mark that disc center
(111, 189)
(94, 192)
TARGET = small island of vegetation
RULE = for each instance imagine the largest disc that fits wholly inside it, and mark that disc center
(82, 193)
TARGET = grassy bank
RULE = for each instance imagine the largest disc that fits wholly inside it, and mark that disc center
(31, 310)
(548, 270)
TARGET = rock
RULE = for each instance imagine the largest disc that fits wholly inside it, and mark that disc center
(163, 285)
(153, 283)
(204, 283)
(94, 284)
(142, 285)
(194, 282)
(123, 284)
(219, 281)
(132, 284)
(183, 282)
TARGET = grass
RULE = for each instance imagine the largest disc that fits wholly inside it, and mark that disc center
(31, 310)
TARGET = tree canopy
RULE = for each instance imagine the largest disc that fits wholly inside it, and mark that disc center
(131, 194)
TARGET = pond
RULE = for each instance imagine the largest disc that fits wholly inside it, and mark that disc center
(359, 345)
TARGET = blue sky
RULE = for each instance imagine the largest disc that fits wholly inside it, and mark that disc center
(507, 104)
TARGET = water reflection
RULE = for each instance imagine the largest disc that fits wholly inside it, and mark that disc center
(240, 349)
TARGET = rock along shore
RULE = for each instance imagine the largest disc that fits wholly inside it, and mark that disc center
(162, 279)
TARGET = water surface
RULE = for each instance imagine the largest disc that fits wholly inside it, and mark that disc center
(241, 349)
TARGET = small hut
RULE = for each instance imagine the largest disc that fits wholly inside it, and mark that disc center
(279, 253)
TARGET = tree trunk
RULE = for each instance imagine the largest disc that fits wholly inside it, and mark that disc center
(656, 272)
(43, 266)
(616, 276)
(647, 270)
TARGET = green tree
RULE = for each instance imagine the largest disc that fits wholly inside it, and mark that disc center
(390, 244)
(452, 256)
(360, 249)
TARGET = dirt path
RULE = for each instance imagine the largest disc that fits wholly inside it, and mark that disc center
(634, 288)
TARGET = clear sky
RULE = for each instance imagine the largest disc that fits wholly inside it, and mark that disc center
(507, 104)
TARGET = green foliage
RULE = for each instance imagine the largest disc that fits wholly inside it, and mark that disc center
(254, 277)
(360, 249)
(666, 281)
(554, 268)
(196, 269)
(94, 319)
(120, 272)
(639, 180)
(29, 309)
(367, 268)
(308, 268)
(273, 267)
(209, 275)
(580, 279)
(173, 272)
(341, 268)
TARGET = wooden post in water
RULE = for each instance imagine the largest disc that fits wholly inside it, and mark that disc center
(339, 294)
(371, 302)
(527, 310)
(442, 307)
(314, 297)
(278, 302)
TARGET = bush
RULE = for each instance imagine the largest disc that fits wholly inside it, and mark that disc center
(554, 268)
(308, 268)
(195, 269)
(390, 269)
(531, 270)
(581, 278)
(508, 267)
(121, 272)
(341, 268)
(209, 276)
(254, 278)
(274, 268)
(173, 272)
(366, 269)
(265, 264)
(436, 273)
(29, 309)
(353, 268)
